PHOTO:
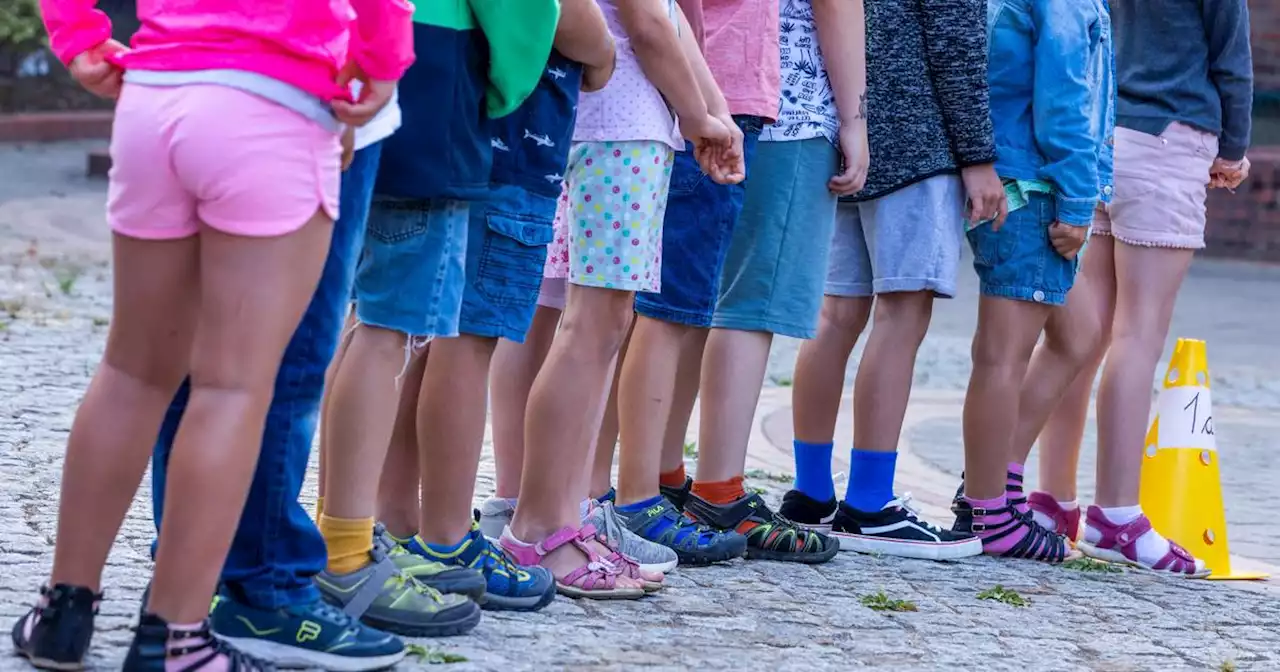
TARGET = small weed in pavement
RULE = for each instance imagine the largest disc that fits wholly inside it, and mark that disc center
(691, 449)
(1091, 565)
(782, 381)
(763, 475)
(881, 602)
(433, 656)
(1005, 595)
(1227, 666)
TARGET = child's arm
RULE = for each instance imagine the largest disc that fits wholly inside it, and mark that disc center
(661, 56)
(382, 38)
(583, 36)
(75, 26)
(842, 34)
(1062, 100)
(728, 164)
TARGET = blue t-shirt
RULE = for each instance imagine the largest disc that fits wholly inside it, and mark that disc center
(531, 145)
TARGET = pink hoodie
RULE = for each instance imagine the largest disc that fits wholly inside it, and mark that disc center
(300, 42)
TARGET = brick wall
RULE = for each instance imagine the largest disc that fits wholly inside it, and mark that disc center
(1246, 224)
(1265, 17)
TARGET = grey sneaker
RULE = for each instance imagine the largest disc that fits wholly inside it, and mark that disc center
(444, 578)
(495, 516)
(384, 597)
(651, 557)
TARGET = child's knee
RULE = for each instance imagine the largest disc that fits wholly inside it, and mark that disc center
(905, 316)
(845, 314)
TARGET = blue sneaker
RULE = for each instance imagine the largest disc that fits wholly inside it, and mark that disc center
(316, 635)
(693, 542)
(508, 587)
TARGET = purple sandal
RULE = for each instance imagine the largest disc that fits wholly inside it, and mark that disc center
(1066, 523)
(1118, 544)
(596, 580)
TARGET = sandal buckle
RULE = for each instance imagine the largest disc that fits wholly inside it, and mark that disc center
(978, 527)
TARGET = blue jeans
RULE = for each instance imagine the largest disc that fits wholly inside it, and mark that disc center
(699, 224)
(277, 548)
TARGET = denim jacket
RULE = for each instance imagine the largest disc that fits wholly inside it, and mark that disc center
(1052, 78)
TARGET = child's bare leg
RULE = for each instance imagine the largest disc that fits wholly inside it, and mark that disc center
(156, 290)
(733, 367)
(1056, 392)
(1147, 282)
(646, 389)
(600, 476)
(348, 325)
(819, 388)
(234, 359)
(398, 495)
(685, 395)
(515, 365)
(1007, 333)
(451, 414)
(565, 399)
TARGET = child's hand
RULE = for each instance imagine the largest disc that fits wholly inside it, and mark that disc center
(987, 201)
(92, 70)
(709, 138)
(1228, 174)
(730, 162)
(374, 95)
(595, 78)
(348, 147)
(1068, 240)
(857, 159)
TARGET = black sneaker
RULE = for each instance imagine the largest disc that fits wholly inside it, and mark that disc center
(62, 628)
(677, 496)
(808, 512)
(150, 648)
(897, 529)
(962, 511)
(769, 535)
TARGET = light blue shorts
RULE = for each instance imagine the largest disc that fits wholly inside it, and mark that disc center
(777, 258)
(905, 241)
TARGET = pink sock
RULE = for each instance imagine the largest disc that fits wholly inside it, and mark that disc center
(1013, 488)
(178, 663)
(1005, 534)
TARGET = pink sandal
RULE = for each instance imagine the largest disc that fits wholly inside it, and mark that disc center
(596, 580)
(1118, 545)
(652, 581)
(1066, 523)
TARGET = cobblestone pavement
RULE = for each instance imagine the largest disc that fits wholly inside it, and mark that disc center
(54, 301)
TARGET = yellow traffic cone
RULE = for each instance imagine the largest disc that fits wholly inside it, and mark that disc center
(1181, 485)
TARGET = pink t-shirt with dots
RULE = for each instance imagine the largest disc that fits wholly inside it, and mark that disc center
(629, 107)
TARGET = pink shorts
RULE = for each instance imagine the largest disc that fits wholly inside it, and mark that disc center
(238, 163)
(1161, 184)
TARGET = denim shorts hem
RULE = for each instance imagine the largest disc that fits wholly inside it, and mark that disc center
(751, 323)
(482, 329)
(1027, 294)
(397, 322)
(655, 310)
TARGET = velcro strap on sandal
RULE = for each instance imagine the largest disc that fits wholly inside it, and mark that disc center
(383, 570)
(562, 536)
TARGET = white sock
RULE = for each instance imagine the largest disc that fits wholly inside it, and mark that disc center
(585, 507)
(1151, 547)
(1049, 523)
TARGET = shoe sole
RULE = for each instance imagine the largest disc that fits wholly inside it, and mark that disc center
(920, 550)
(663, 567)
(786, 556)
(532, 603)
(1118, 558)
(460, 625)
(46, 664)
(614, 594)
(293, 657)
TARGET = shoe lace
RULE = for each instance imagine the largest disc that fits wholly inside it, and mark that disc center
(904, 503)
(403, 581)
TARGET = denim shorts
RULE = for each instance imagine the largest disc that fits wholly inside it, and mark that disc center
(412, 271)
(1018, 262)
(776, 265)
(699, 224)
(506, 251)
(905, 241)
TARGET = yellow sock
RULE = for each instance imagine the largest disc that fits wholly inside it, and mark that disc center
(319, 508)
(349, 542)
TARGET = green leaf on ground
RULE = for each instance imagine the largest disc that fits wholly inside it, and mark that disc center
(691, 449)
(1091, 565)
(757, 491)
(782, 381)
(763, 475)
(1005, 595)
(1227, 666)
(433, 656)
(881, 602)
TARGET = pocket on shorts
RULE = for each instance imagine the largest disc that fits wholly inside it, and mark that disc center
(991, 248)
(395, 220)
(512, 260)
(686, 174)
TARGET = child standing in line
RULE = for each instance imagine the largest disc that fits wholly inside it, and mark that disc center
(1052, 104)
(224, 181)
(1182, 126)
(409, 282)
(507, 243)
(772, 279)
(617, 176)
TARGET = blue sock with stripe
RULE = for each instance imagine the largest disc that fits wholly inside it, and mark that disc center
(813, 470)
(870, 479)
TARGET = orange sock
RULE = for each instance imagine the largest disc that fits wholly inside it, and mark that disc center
(674, 478)
(720, 492)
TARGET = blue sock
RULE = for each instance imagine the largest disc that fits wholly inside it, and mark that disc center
(813, 470)
(639, 506)
(870, 479)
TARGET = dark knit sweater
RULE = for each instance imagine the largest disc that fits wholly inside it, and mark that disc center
(927, 104)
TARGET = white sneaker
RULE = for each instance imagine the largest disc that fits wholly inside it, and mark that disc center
(495, 515)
